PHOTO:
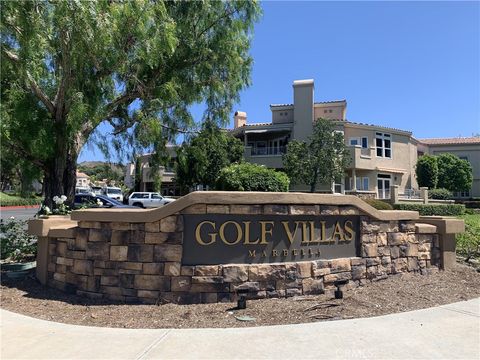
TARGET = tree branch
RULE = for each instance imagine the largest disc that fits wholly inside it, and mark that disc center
(27, 155)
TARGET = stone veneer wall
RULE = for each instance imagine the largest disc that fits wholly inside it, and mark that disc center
(142, 261)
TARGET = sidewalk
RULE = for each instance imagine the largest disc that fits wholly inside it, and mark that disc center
(445, 332)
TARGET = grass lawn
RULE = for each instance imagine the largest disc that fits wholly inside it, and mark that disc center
(14, 200)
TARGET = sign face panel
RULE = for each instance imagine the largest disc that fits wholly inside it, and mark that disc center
(211, 239)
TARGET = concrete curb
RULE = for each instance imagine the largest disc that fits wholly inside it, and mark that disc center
(19, 207)
(449, 331)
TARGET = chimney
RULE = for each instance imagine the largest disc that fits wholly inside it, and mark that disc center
(303, 109)
(240, 119)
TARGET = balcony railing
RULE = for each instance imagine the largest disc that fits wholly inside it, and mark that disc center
(267, 151)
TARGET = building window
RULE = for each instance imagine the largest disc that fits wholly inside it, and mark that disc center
(354, 141)
(325, 111)
(330, 111)
(362, 183)
(364, 142)
(383, 144)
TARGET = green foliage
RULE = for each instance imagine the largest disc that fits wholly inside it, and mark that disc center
(104, 171)
(200, 160)
(16, 243)
(454, 173)
(252, 177)
(137, 66)
(13, 200)
(427, 171)
(378, 204)
(440, 194)
(433, 209)
(321, 160)
(468, 243)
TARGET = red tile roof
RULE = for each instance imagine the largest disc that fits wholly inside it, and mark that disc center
(451, 141)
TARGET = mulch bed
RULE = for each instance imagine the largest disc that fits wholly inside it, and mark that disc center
(399, 293)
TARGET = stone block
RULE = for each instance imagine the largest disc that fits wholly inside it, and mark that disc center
(59, 277)
(250, 286)
(168, 224)
(399, 265)
(424, 255)
(62, 269)
(152, 282)
(207, 270)
(127, 281)
(424, 247)
(235, 273)
(373, 261)
(129, 292)
(148, 294)
(120, 237)
(321, 272)
(181, 283)
(370, 250)
(153, 268)
(137, 226)
(64, 261)
(195, 209)
(329, 210)
(304, 269)
(152, 227)
(275, 209)
(358, 272)
(187, 270)
(293, 292)
(304, 209)
(155, 238)
(246, 209)
(407, 226)
(266, 272)
(109, 280)
(137, 266)
(119, 226)
(105, 272)
(312, 286)
(386, 260)
(118, 253)
(357, 261)
(72, 254)
(81, 238)
(137, 236)
(61, 249)
(84, 267)
(165, 252)
(320, 264)
(412, 250)
(349, 210)
(331, 278)
(140, 253)
(90, 224)
(207, 279)
(369, 238)
(382, 239)
(368, 226)
(397, 238)
(394, 252)
(209, 287)
(99, 235)
(98, 251)
(209, 298)
(172, 269)
(340, 265)
(412, 264)
(384, 251)
(218, 209)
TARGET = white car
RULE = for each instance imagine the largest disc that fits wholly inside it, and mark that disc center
(148, 199)
(113, 193)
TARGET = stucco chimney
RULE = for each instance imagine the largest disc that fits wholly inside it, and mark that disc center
(240, 119)
(303, 109)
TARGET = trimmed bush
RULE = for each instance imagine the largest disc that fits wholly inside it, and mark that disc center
(251, 177)
(378, 204)
(11, 200)
(427, 171)
(440, 194)
(433, 209)
(468, 243)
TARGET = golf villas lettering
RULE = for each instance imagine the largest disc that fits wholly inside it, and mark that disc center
(215, 238)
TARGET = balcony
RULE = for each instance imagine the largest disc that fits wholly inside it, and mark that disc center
(167, 175)
(271, 157)
(362, 158)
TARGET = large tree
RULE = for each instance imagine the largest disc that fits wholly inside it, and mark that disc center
(427, 171)
(200, 160)
(320, 160)
(454, 174)
(69, 66)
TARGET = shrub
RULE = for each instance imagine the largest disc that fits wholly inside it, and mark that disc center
(12, 200)
(16, 243)
(433, 209)
(251, 177)
(427, 171)
(378, 204)
(440, 194)
(468, 243)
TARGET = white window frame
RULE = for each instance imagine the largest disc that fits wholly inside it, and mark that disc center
(383, 137)
(361, 142)
(357, 139)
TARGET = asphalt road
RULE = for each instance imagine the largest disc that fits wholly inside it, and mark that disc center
(19, 214)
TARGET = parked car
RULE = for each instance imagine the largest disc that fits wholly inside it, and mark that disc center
(95, 200)
(113, 192)
(148, 199)
(97, 190)
(83, 190)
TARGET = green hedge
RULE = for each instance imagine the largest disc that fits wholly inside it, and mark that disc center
(378, 204)
(440, 194)
(12, 200)
(251, 177)
(433, 209)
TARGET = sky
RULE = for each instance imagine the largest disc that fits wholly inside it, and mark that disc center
(408, 65)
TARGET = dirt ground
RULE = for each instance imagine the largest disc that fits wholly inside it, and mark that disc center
(396, 294)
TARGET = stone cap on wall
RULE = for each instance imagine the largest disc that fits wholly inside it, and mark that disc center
(238, 198)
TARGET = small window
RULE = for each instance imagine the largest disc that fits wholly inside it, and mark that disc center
(365, 183)
(364, 142)
(156, 196)
(353, 141)
(135, 196)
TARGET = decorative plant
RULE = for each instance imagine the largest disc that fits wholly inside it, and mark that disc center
(59, 207)
(16, 244)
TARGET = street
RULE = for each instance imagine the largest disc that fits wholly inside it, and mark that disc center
(18, 214)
